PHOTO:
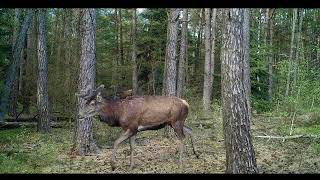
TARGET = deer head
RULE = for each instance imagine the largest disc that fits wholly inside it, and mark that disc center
(93, 99)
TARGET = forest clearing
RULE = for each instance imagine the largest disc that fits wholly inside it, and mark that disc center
(166, 90)
(41, 153)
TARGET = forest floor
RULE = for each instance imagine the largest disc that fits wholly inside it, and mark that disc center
(23, 150)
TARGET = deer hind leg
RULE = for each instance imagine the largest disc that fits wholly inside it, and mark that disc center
(132, 145)
(122, 138)
(188, 130)
(178, 128)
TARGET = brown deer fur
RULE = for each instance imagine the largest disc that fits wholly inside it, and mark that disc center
(139, 113)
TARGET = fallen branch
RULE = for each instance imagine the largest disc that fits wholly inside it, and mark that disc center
(10, 125)
(289, 137)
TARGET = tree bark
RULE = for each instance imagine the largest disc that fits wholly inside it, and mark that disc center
(183, 54)
(270, 54)
(84, 142)
(30, 72)
(68, 62)
(171, 53)
(12, 72)
(15, 87)
(213, 39)
(42, 88)
(134, 53)
(246, 52)
(295, 11)
(199, 41)
(207, 87)
(120, 37)
(240, 155)
(296, 59)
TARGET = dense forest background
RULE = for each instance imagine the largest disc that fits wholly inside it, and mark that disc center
(284, 58)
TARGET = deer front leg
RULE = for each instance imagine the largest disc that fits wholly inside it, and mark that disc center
(122, 138)
(132, 146)
(181, 148)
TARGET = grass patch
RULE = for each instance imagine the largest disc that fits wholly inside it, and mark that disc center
(23, 150)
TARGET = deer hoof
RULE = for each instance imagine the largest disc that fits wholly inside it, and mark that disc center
(131, 167)
(113, 166)
(197, 156)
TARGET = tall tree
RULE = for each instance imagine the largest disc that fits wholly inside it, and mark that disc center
(171, 52)
(213, 39)
(240, 155)
(42, 92)
(246, 46)
(84, 142)
(208, 65)
(12, 72)
(29, 72)
(15, 86)
(294, 19)
(134, 53)
(120, 35)
(199, 40)
(183, 54)
(296, 59)
(270, 54)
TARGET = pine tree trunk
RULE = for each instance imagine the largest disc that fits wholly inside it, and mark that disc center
(183, 54)
(84, 142)
(134, 53)
(207, 87)
(28, 70)
(296, 59)
(171, 53)
(246, 52)
(199, 41)
(15, 87)
(12, 72)
(213, 39)
(270, 52)
(240, 155)
(120, 37)
(318, 51)
(295, 11)
(42, 92)
(67, 62)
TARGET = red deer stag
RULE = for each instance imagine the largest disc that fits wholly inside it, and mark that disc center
(138, 113)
